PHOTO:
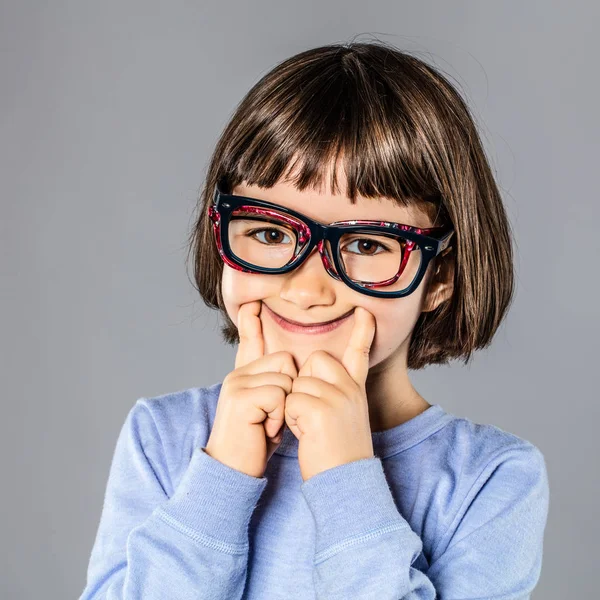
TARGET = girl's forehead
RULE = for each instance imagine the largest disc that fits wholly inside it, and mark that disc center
(325, 207)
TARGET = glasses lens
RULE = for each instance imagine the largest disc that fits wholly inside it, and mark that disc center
(379, 260)
(270, 239)
(265, 238)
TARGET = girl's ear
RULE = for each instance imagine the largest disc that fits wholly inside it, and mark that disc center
(440, 284)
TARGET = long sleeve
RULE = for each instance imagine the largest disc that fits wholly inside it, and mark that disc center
(493, 548)
(193, 544)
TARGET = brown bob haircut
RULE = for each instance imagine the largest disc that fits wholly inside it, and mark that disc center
(402, 132)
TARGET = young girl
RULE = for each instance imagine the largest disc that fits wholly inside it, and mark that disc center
(349, 188)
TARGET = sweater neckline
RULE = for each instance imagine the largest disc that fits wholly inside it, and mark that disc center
(389, 441)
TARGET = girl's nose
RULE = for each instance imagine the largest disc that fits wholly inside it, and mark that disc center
(309, 283)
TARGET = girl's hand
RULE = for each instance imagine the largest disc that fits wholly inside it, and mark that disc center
(249, 419)
(327, 408)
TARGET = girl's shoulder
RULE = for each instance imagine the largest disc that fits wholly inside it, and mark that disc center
(191, 406)
(168, 428)
(485, 445)
(483, 455)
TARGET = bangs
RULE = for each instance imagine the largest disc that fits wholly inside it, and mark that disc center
(309, 118)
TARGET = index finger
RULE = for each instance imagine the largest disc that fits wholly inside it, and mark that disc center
(251, 344)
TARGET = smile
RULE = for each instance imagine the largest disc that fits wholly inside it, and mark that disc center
(299, 328)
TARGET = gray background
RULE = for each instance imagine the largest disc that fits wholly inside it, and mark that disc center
(109, 112)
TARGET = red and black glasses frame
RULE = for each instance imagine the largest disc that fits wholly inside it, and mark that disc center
(431, 241)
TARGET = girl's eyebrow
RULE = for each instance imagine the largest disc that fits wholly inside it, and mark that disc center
(354, 221)
(339, 222)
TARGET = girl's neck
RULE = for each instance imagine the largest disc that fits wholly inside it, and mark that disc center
(392, 399)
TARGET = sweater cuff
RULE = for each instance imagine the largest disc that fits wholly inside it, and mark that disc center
(214, 500)
(350, 501)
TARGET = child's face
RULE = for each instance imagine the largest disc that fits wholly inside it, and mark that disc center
(309, 294)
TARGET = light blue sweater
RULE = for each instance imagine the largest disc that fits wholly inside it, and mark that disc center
(446, 509)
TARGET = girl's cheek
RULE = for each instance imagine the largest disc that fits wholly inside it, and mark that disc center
(238, 288)
(394, 321)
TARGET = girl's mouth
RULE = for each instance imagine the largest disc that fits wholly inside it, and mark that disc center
(288, 326)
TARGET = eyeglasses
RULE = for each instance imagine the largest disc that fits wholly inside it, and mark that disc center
(255, 236)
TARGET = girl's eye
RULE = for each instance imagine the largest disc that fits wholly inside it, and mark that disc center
(367, 245)
(271, 239)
